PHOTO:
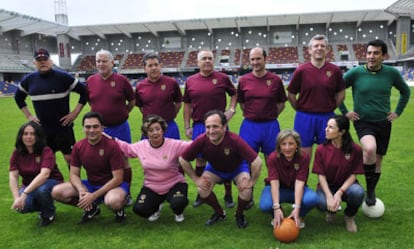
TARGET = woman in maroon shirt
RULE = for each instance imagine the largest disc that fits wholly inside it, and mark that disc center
(337, 162)
(35, 163)
(288, 171)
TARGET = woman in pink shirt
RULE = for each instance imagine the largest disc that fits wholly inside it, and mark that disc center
(162, 177)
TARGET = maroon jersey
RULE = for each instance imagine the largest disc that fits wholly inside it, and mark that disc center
(109, 97)
(335, 165)
(99, 160)
(260, 96)
(158, 97)
(225, 157)
(207, 93)
(287, 172)
(29, 165)
(317, 88)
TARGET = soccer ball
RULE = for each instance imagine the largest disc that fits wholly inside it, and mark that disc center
(287, 231)
(374, 211)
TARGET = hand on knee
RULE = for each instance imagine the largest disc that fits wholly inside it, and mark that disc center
(205, 183)
(246, 194)
(244, 184)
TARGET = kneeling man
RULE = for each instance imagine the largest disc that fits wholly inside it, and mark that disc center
(229, 158)
(102, 160)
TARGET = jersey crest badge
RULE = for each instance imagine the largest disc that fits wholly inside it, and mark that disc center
(268, 82)
(113, 83)
(226, 151)
(101, 152)
(38, 159)
(329, 74)
(296, 166)
(347, 156)
(214, 81)
(163, 87)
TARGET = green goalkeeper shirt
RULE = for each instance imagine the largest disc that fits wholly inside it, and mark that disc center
(371, 92)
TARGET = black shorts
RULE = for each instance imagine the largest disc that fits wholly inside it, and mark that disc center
(63, 141)
(148, 201)
(381, 130)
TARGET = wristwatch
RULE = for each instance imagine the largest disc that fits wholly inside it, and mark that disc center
(275, 206)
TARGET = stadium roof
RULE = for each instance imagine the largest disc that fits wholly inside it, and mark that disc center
(402, 8)
(182, 26)
(28, 25)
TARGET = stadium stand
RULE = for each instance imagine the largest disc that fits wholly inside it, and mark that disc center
(237, 56)
(133, 61)
(7, 88)
(16, 63)
(171, 59)
(245, 57)
(408, 74)
(87, 63)
(285, 37)
(192, 59)
(283, 55)
(341, 47)
(360, 51)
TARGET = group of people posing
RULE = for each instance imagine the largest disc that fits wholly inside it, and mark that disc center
(221, 156)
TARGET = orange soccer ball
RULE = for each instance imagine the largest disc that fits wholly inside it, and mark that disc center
(287, 231)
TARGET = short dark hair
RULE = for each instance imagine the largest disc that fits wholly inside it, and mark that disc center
(150, 55)
(379, 43)
(89, 115)
(40, 139)
(152, 119)
(218, 112)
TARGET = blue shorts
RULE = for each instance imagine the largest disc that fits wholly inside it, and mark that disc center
(198, 129)
(92, 188)
(172, 130)
(227, 176)
(122, 131)
(261, 136)
(311, 127)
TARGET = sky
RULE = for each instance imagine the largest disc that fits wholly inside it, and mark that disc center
(90, 12)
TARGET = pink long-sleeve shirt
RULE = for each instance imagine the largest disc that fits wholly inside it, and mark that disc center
(160, 164)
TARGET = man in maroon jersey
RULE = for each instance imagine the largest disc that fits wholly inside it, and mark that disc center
(111, 95)
(262, 98)
(205, 91)
(316, 89)
(159, 94)
(230, 158)
(102, 160)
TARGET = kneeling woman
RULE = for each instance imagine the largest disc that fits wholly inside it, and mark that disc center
(337, 162)
(288, 171)
(162, 177)
(35, 163)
